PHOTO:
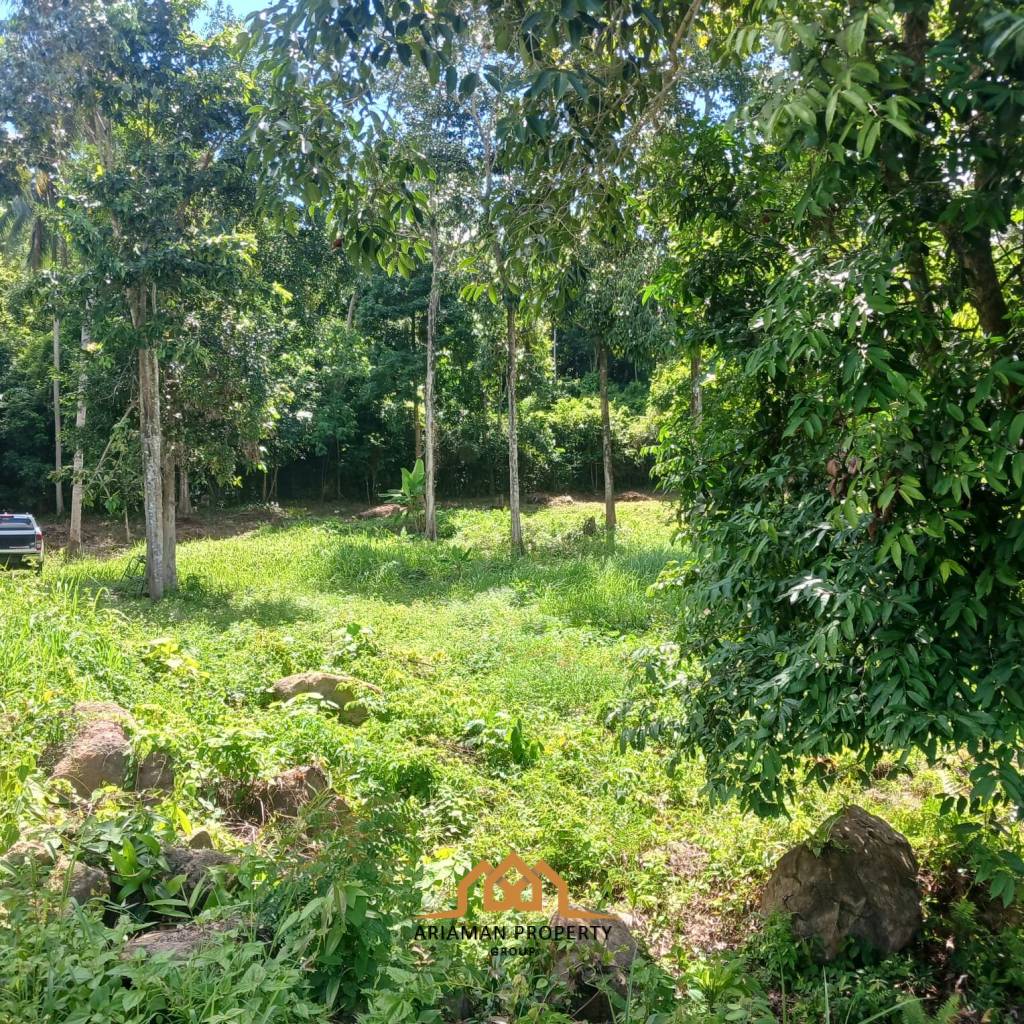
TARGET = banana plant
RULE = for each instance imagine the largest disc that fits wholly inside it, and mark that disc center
(411, 494)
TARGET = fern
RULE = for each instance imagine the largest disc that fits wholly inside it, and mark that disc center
(914, 1012)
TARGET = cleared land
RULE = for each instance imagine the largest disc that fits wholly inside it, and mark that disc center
(468, 648)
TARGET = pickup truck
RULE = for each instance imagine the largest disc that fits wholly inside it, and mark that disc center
(21, 541)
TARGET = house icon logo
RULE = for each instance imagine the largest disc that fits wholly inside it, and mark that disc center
(513, 885)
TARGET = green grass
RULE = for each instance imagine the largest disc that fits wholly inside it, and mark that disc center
(458, 632)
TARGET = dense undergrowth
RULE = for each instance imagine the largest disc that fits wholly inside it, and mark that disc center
(490, 733)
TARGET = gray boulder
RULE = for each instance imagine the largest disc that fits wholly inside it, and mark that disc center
(97, 753)
(156, 771)
(28, 852)
(78, 882)
(200, 840)
(300, 792)
(862, 883)
(343, 690)
(384, 511)
(179, 942)
(196, 865)
(286, 794)
(594, 964)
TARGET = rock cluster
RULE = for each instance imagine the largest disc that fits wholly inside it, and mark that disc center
(98, 751)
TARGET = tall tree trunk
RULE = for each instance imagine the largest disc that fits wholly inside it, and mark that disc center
(168, 517)
(150, 435)
(351, 318)
(184, 489)
(430, 438)
(554, 352)
(606, 443)
(58, 453)
(77, 473)
(168, 511)
(513, 435)
(696, 389)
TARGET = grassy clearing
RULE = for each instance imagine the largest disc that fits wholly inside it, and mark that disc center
(465, 645)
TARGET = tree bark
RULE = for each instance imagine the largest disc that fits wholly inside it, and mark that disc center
(606, 442)
(168, 508)
(58, 453)
(417, 437)
(350, 319)
(430, 435)
(78, 467)
(184, 490)
(974, 253)
(696, 389)
(168, 516)
(152, 468)
(150, 434)
(513, 435)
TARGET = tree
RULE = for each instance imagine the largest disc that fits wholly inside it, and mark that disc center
(157, 125)
(433, 125)
(323, 132)
(78, 463)
(25, 221)
(606, 305)
(852, 578)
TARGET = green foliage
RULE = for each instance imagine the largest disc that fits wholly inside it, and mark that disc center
(528, 652)
(68, 967)
(723, 990)
(852, 566)
(410, 495)
(503, 744)
(914, 1012)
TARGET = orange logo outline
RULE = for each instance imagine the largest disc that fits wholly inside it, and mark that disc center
(524, 894)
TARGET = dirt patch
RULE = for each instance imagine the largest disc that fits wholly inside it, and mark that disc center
(703, 930)
(697, 927)
(686, 860)
(385, 511)
(694, 922)
(103, 537)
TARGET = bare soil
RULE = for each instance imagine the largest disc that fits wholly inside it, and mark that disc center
(105, 536)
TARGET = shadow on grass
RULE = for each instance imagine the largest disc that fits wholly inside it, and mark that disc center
(577, 579)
